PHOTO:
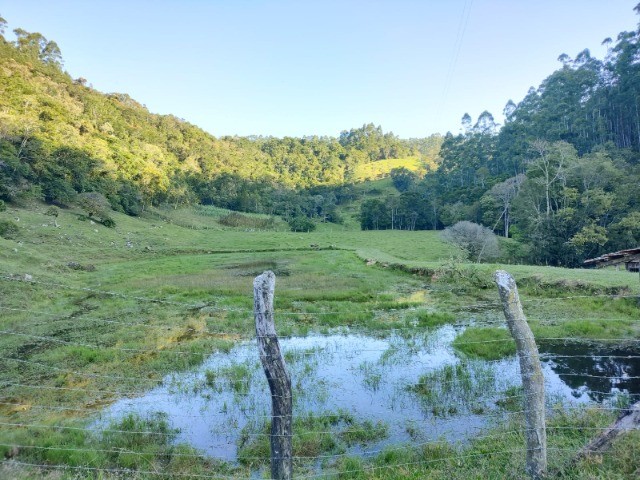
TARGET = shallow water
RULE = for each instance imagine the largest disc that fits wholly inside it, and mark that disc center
(371, 379)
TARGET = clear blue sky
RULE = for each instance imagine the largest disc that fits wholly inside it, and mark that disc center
(318, 67)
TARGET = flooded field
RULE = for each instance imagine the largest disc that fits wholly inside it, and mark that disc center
(367, 392)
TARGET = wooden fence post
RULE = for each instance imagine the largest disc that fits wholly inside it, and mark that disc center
(531, 371)
(277, 376)
(629, 419)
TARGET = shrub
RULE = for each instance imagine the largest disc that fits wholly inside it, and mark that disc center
(476, 241)
(97, 207)
(235, 219)
(8, 229)
(301, 224)
(52, 211)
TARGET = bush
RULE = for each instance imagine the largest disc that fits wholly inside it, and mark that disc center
(476, 241)
(52, 211)
(235, 219)
(301, 224)
(97, 207)
(3, 207)
(8, 229)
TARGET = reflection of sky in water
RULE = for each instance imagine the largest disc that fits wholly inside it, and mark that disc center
(365, 376)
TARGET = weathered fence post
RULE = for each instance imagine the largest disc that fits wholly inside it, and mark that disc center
(531, 371)
(277, 376)
(629, 419)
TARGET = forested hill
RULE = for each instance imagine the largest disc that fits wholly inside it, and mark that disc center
(60, 137)
(562, 175)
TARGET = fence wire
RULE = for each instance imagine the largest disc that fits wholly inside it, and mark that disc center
(20, 405)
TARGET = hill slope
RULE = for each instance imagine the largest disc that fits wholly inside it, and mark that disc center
(59, 137)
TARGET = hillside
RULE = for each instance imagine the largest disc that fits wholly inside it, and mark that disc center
(129, 245)
(560, 176)
(382, 168)
(60, 137)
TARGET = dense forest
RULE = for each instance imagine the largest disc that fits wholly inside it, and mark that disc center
(59, 138)
(562, 175)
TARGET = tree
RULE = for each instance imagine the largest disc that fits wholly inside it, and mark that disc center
(504, 193)
(373, 143)
(37, 45)
(476, 241)
(466, 122)
(548, 169)
(374, 215)
(402, 178)
(508, 110)
(485, 123)
(301, 224)
(97, 207)
(3, 26)
(588, 239)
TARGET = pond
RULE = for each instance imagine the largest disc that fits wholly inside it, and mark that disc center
(403, 388)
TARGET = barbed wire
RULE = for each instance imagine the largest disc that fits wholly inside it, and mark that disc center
(89, 345)
(370, 468)
(73, 372)
(365, 453)
(214, 309)
(497, 413)
(301, 435)
(100, 292)
(201, 354)
(127, 471)
(235, 382)
(415, 329)
(367, 468)
(200, 305)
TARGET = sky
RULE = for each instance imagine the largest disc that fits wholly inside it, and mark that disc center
(307, 67)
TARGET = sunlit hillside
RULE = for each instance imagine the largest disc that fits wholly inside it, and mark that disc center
(382, 168)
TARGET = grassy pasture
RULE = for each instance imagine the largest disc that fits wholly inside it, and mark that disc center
(92, 314)
(381, 168)
(379, 189)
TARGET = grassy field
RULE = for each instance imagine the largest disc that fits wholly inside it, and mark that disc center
(381, 168)
(90, 314)
(374, 189)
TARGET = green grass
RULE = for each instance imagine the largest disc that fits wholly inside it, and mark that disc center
(113, 345)
(456, 389)
(133, 442)
(499, 455)
(487, 343)
(313, 435)
(382, 168)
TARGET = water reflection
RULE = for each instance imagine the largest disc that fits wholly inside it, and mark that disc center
(227, 398)
(594, 370)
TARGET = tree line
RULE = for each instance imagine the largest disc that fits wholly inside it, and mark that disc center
(59, 138)
(560, 176)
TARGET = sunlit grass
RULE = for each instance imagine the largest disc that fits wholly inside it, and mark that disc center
(203, 272)
(382, 168)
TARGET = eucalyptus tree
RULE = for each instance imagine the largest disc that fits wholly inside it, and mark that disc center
(504, 193)
(548, 168)
(37, 45)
